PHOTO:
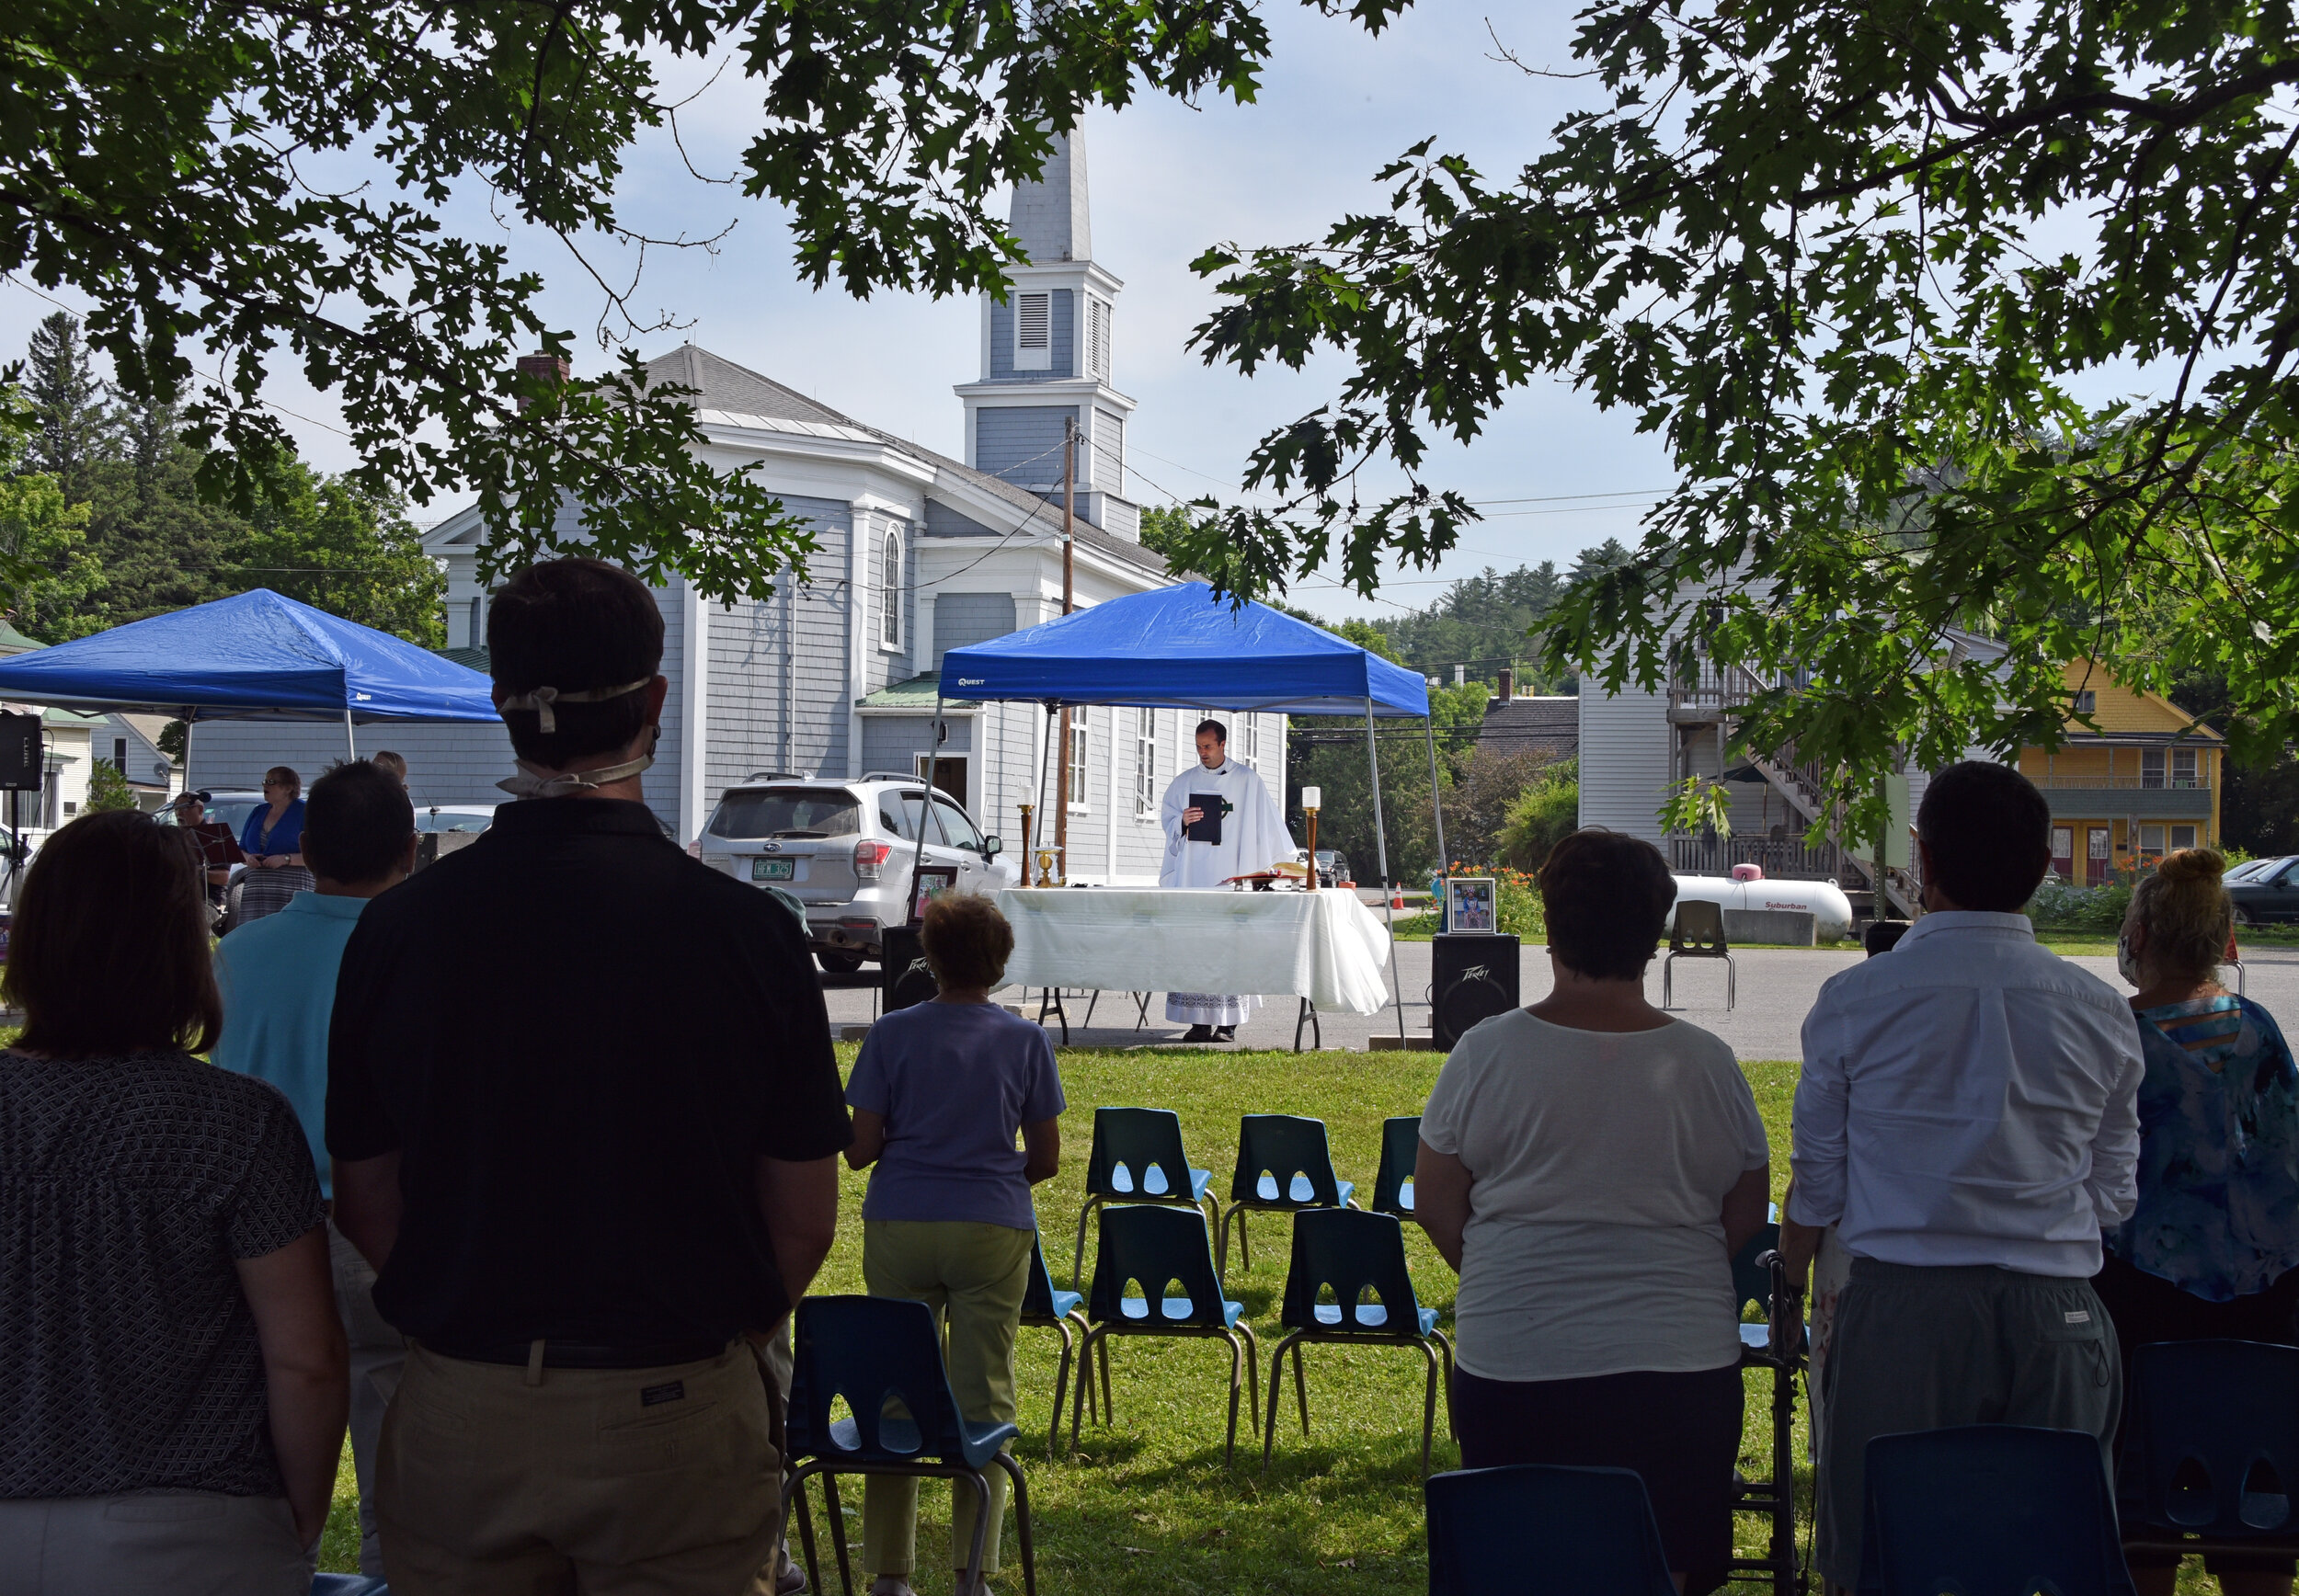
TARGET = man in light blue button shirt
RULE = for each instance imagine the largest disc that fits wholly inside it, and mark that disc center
(278, 980)
(1968, 1119)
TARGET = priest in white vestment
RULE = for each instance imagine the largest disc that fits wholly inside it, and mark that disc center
(1253, 837)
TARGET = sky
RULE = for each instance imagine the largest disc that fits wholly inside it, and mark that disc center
(1167, 180)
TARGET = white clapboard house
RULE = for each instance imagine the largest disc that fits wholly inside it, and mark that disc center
(1636, 747)
(835, 677)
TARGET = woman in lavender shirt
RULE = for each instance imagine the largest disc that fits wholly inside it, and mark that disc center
(939, 1094)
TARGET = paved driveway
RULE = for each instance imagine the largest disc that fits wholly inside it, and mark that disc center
(1777, 988)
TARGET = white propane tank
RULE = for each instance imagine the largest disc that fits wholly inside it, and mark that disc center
(1831, 910)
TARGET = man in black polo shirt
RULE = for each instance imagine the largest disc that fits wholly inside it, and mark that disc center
(584, 1118)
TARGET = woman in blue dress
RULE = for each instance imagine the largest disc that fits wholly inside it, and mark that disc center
(273, 841)
(2210, 1250)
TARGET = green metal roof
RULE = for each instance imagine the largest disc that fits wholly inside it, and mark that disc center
(469, 658)
(14, 642)
(915, 695)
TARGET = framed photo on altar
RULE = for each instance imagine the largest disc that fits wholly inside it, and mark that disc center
(930, 879)
(1470, 906)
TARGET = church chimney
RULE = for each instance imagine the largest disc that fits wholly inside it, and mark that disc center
(546, 370)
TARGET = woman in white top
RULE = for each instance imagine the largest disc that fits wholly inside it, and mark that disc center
(1590, 1166)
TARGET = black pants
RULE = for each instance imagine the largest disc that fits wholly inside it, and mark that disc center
(2145, 1307)
(1679, 1432)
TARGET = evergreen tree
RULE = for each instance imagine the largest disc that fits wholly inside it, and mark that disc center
(68, 401)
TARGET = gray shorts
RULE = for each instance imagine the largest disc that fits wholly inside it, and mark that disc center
(1930, 1348)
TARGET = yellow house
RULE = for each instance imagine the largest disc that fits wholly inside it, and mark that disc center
(2145, 781)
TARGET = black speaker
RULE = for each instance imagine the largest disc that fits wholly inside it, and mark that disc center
(19, 754)
(903, 976)
(1474, 979)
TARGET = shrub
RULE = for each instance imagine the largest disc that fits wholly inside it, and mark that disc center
(2062, 905)
(1541, 817)
(107, 788)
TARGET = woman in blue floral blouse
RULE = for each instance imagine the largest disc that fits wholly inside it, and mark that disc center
(2211, 1249)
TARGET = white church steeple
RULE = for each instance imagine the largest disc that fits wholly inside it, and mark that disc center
(1048, 354)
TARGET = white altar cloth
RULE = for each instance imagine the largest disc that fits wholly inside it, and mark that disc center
(1325, 946)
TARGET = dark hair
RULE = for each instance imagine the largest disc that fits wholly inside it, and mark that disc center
(1606, 896)
(356, 823)
(575, 625)
(1220, 732)
(965, 940)
(108, 949)
(1882, 936)
(1987, 833)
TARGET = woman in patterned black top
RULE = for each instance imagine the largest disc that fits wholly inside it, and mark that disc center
(172, 1371)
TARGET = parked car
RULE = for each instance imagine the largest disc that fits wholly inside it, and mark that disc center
(1332, 867)
(464, 817)
(229, 809)
(2269, 895)
(2251, 869)
(846, 851)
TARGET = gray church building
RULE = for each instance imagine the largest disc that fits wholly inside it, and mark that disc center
(834, 677)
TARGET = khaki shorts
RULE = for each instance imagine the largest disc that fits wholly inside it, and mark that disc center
(629, 1482)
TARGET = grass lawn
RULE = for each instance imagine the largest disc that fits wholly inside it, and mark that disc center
(1147, 1509)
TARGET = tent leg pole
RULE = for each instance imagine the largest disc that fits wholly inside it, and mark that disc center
(926, 802)
(1380, 846)
(1437, 798)
(350, 741)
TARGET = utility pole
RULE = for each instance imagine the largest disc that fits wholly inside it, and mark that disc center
(1061, 782)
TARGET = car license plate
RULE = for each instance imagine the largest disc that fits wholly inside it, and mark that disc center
(772, 869)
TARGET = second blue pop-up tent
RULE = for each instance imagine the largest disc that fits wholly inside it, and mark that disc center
(256, 655)
(1188, 647)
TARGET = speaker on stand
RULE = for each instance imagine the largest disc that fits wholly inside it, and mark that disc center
(904, 977)
(1474, 979)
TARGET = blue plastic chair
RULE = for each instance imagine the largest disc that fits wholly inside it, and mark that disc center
(1043, 1308)
(348, 1585)
(1989, 1509)
(1401, 1150)
(2211, 1448)
(1157, 1247)
(881, 1356)
(1137, 1157)
(1284, 1165)
(1533, 1526)
(1350, 1253)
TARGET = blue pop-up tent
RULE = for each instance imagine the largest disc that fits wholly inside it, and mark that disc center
(1188, 647)
(256, 655)
(1185, 647)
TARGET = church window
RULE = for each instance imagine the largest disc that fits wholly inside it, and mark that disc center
(1145, 764)
(891, 590)
(1097, 338)
(1032, 331)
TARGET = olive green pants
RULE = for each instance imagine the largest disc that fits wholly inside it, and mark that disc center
(972, 1276)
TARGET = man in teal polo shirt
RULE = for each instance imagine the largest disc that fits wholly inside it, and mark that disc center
(278, 978)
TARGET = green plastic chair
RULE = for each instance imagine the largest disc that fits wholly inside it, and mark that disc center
(1401, 1150)
(1156, 1245)
(1137, 1157)
(1284, 1165)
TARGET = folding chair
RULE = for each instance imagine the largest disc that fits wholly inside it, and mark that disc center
(1043, 1308)
(1989, 1509)
(1155, 1246)
(1697, 932)
(1284, 1165)
(1533, 1526)
(1137, 1157)
(1759, 1277)
(881, 1356)
(1350, 1253)
(1401, 1150)
(2211, 1448)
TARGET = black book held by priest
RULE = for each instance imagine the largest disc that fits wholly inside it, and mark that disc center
(1208, 826)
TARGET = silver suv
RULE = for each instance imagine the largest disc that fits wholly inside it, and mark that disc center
(844, 849)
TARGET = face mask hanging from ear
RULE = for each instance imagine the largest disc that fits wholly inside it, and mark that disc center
(534, 782)
(2126, 966)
